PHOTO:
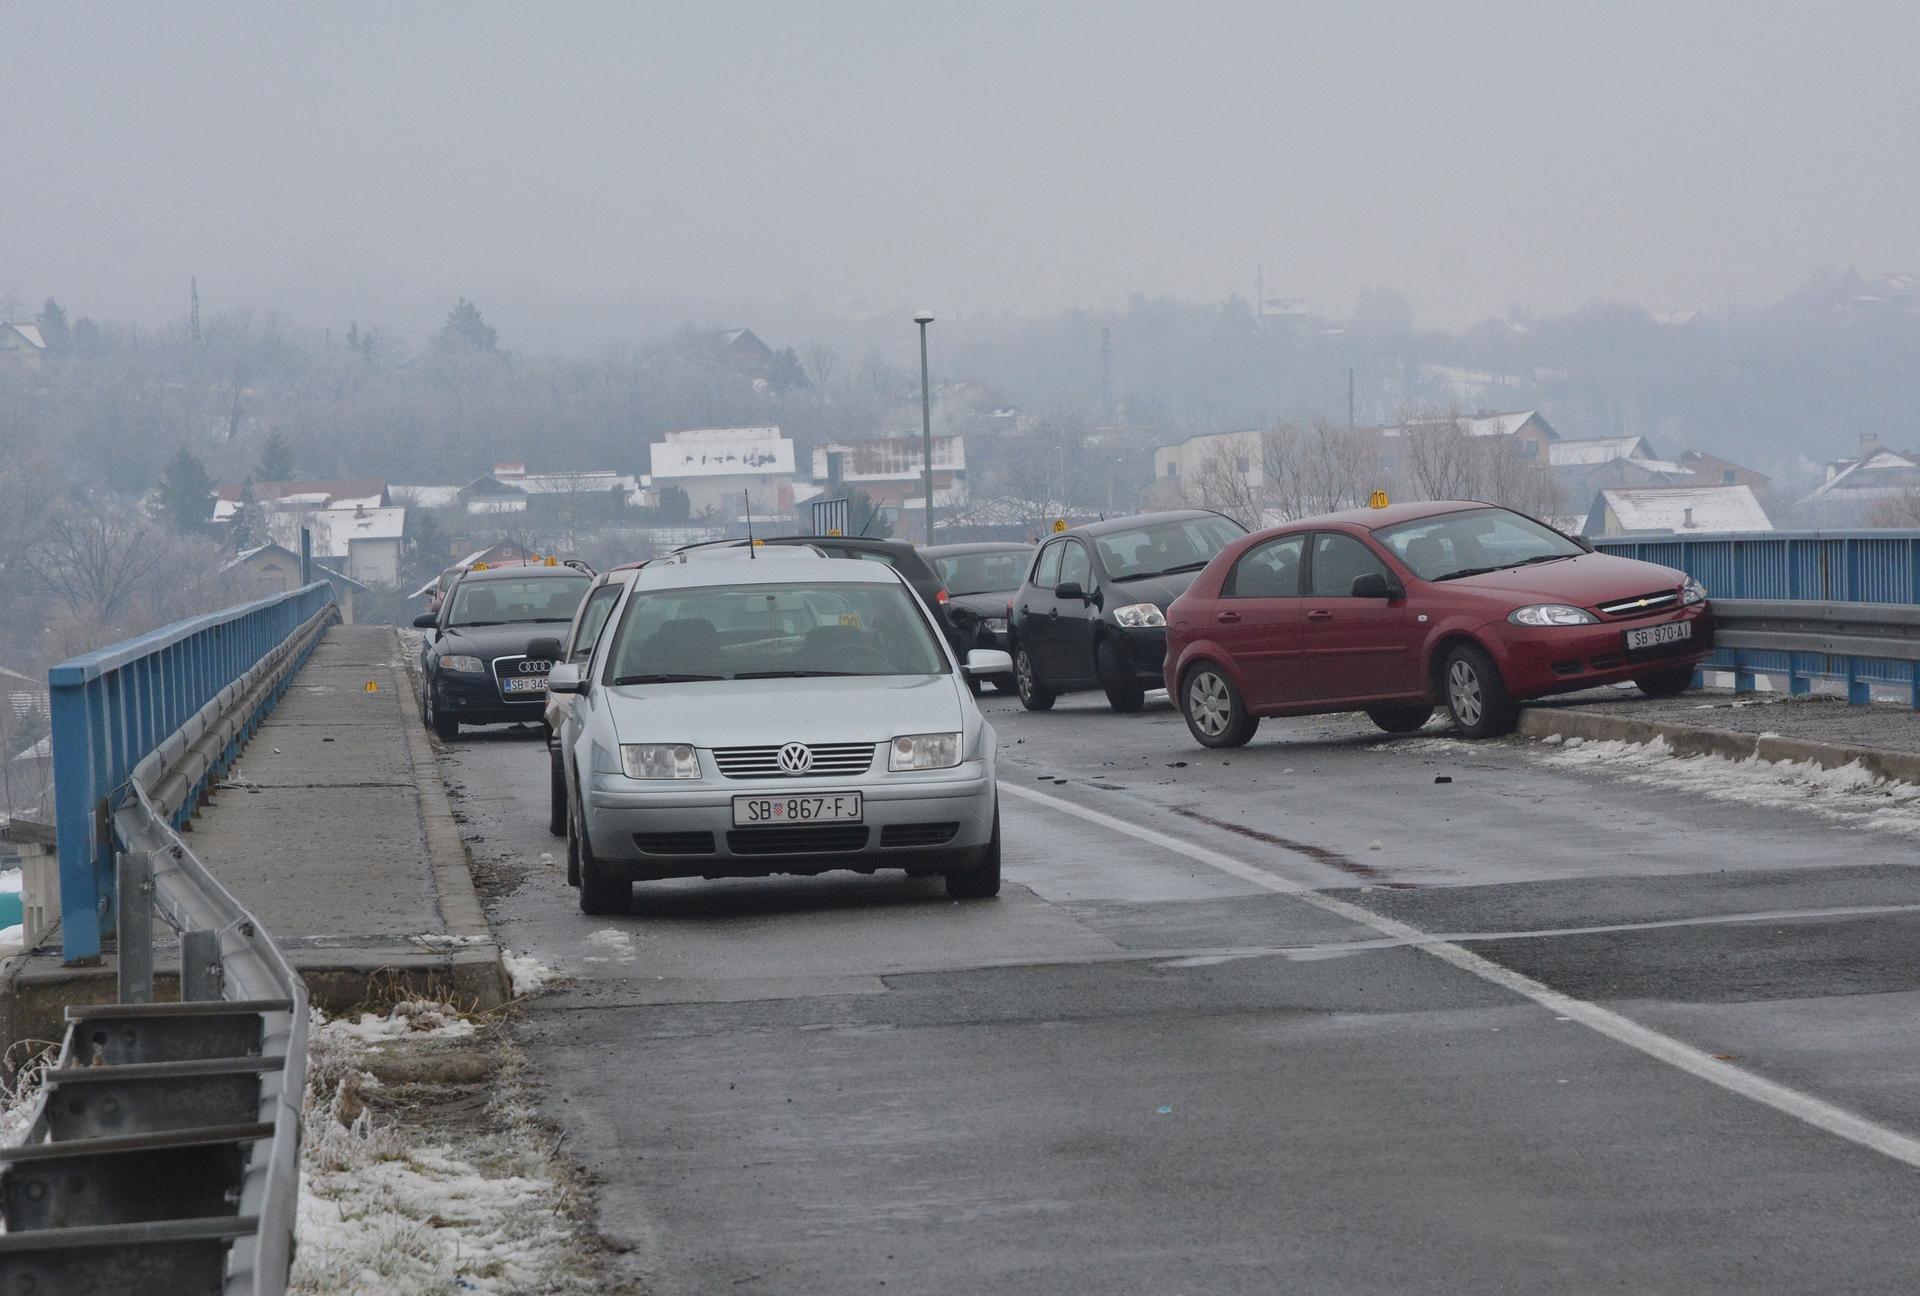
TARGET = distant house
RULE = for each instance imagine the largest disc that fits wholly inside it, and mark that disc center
(721, 468)
(738, 349)
(21, 346)
(1676, 510)
(365, 543)
(1527, 430)
(1598, 450)
(891, 470)
(1711, 470)
(1178, 465)
(1879, 473)
(357, 492)
(275, 569)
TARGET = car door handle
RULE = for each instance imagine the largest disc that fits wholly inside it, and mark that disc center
(1320, 614)
(1228, 618)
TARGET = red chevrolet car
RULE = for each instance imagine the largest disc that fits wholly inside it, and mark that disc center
(1394, 610)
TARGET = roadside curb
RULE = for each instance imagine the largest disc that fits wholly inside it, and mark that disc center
(1688, 740)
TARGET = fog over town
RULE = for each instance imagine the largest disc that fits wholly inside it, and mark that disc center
(477, 270)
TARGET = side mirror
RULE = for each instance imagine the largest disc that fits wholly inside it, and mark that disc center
(547, 648)
(1070, 590)
(565, 678)
(1375, 585)
(425, 621)
(985, 663)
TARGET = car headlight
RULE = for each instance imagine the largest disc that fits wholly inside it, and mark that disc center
(1693, 592)
(1552, 614)
(994, 625)
(1139, 616)
(659, 761)
(924, 751)
(462, 662)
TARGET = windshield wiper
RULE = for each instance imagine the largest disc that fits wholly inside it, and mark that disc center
(466, 625)
(791, 674)
(1540, 558)
(1467, 571)
(1171, 571)
(666, 679)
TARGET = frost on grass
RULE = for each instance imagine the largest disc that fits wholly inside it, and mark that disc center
(23, 1072)
(397, 1203)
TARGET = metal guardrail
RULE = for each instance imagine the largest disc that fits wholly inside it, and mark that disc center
(1823, 602)
(164, 1154)
(1862, 644)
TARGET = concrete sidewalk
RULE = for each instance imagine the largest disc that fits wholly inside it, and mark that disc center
(1824, 731)
(334, 829)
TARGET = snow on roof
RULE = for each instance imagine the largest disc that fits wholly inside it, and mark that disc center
(335, 528)
(1599, 450)
(429, 496)
(889, 458)
(761, 452)
(31, 332)
(572, 483)
(365, 491)
(1884, 472)
(1477, 424)
(1687, 508)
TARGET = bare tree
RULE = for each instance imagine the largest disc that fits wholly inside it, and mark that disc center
(1446, 461)
(94, 560)
(1902, 510)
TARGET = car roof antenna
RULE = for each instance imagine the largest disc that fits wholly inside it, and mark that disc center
(747, 495)
(873, 511)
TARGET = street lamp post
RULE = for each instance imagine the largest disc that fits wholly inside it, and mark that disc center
(924, 318)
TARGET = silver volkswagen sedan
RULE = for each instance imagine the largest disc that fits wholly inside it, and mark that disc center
(747, 718)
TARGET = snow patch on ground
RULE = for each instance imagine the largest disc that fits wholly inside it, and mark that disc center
(416, 1018)
(527, 974)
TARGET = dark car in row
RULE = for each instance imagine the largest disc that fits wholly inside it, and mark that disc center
(477, 664)
(981, 580)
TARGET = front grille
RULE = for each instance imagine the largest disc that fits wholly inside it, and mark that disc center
(812, 839)
(680, 843)
(506, 668)
(1641, 605)
(830, 760)
(920, 834)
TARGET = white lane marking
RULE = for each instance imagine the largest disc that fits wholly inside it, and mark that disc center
(1662, 1048)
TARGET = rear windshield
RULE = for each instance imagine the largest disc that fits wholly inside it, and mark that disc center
(1161, 548)
(725, 632)
(983, 573)
(510, 602)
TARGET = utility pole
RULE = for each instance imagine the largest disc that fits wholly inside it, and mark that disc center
(924, 318)
(1106, 377)
(193, 318)
(1349, 400)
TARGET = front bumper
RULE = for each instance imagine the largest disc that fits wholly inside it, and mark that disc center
(931, 822)
(475, 699)
(1536, 662)
(1142, 654)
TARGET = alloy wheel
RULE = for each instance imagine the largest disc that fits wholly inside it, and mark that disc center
(1463, 693)
(1023, 673)
(1209, 704)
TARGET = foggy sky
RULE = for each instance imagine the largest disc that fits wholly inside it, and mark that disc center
(373, 161)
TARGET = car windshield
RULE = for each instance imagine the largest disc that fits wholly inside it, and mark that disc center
(509, 602)
(739, 632)
(983, 573)
(1472, 542)
(1161, 548)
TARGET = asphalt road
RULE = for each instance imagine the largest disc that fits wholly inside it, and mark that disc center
(1297, 1018)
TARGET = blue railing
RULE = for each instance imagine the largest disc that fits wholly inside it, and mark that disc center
(1805, 566)
(113, 707)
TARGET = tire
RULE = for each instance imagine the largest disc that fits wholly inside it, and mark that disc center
(573, 852)
(982, 881)
(1215, 714)
(1399, 720)
(1671, 682)
(557, 795)
(1034, 695)
(600, 895)
(1476, 694)
(445, 728)
(1123, 695)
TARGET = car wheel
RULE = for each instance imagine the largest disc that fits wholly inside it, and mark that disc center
(982, 881)
(1123, 695)
(445, 728)
(556, 795)
(573, 851)
(1215, 714)
(1400, 719)
(1667, 683)
(1034, 695)
(1476, 694)
(600, 895)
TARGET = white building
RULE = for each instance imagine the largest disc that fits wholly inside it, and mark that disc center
(1186, 461)
(363, 543)
(889, 470)
(722, 468)
(1676, 510)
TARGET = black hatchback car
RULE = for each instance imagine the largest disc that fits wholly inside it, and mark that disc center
(1093, 610)
(475, 667)
(981, 580)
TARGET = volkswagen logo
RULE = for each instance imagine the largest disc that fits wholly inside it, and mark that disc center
(536, 668)
(796, 758)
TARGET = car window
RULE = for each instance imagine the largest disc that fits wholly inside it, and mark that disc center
(1270, 570)
(737, 632)
(1046, 573)
(592, 618)
(982, 573)
(1473, 540)
(1337, 559)
(1161, 548)
(1075, 565)
(513, 602)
